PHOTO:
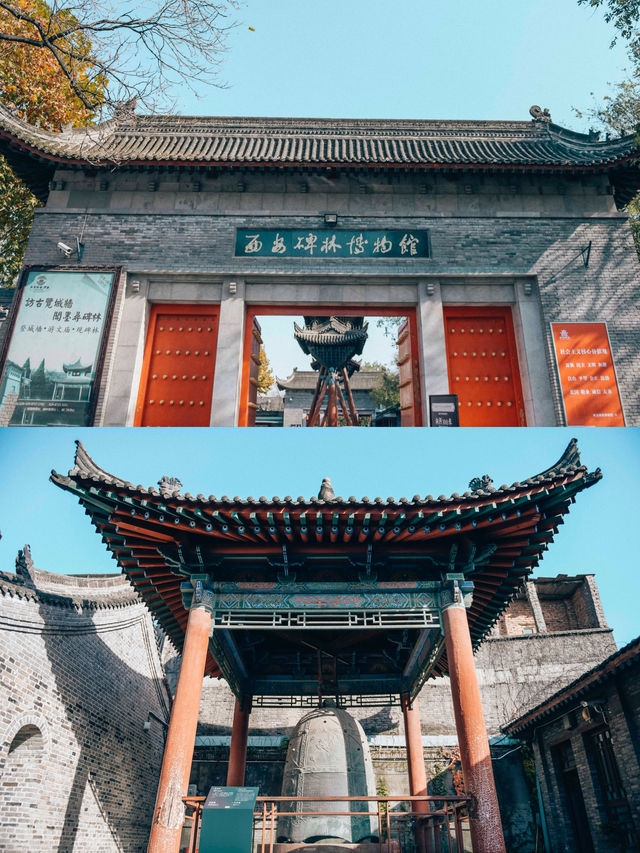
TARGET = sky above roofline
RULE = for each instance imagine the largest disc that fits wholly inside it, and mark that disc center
(413, 60)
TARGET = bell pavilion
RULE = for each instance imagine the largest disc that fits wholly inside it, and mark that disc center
(352, 599)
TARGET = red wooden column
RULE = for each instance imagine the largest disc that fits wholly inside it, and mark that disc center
(238, 751)
(484, 814)
(168, 814)
(415, 763)
(332, 401)
(415, 752)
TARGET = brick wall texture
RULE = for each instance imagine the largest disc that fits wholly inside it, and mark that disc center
(533, 227)
(79, 672)
(619, 704)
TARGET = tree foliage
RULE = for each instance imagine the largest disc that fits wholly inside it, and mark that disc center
(266, 378)
(17, 204)
(32, 85)
(108, 52)
(623, 14)
(31, 79)
(619, 111)
(387, 391)
(71, 64)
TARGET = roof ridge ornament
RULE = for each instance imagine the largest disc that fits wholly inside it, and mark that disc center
(169, 486)
(479, 484)
(326, 492)
(539, 114)
(84, 465)
(24, 565)
(125, 110)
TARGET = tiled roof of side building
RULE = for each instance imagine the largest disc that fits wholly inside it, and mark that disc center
(155, 139)
(305, 380)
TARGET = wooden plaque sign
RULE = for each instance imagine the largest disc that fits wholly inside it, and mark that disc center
(587, 375)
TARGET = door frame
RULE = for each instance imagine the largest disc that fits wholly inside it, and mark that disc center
(213, 308)
(330, 309)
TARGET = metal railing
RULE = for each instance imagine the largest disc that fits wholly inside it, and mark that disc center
(403, 824)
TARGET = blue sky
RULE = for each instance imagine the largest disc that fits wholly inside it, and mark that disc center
(462, 59)
(597, 536)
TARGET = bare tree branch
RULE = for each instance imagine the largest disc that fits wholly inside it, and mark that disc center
(113, 52)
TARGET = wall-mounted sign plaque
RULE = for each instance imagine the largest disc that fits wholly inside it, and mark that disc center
(327, 243)
(52, 361)
(443, 410)
(587, 374)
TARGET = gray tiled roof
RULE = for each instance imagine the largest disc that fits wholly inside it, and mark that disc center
(569, 465)
(305, 380)
(322, 142)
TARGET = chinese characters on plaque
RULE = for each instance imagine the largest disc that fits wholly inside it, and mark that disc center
(587, 376)
(324, 243)
(50, 366)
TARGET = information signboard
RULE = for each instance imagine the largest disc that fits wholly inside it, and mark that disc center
(53, 356)
(587, 374)
(443, 410)
(227, 820)
(322, 243)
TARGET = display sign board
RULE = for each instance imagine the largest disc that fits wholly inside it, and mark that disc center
(227, 820)
(50, 369)
(587, 375)
(326, 243)
(443, 410)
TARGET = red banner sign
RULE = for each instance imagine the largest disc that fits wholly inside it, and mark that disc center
(587, 375)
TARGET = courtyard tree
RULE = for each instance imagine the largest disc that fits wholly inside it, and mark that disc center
(623, 14)
(107, 53)
(76, 63)
(619, 110)
(387, 392)
(32, 86)
(265, 374)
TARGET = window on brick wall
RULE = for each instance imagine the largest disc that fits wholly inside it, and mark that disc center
(618, 823)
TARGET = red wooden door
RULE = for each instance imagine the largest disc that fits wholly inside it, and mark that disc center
(409, 375)
(483, 366)
(254, 370)
(177, 377)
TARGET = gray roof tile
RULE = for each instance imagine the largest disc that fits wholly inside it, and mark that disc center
(279, 141)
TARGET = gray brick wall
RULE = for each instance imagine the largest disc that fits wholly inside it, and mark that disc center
(531, 228)
(620, 699)
(79, 672)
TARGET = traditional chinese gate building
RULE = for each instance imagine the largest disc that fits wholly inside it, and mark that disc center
(328, 597)
(479, 234)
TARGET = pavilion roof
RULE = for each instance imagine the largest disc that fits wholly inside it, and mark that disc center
(160, 140)
(160, 535)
